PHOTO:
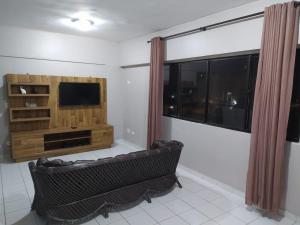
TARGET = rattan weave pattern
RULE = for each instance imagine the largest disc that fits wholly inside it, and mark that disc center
(74, 192)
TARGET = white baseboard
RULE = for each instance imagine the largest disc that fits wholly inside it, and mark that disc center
(213, 184)
(129, 144)
(228, 191)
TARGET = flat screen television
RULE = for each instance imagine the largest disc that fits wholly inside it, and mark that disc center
(78, 94)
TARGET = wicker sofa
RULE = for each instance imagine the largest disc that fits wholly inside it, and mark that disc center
(75, 192)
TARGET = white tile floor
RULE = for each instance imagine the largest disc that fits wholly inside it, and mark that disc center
(195, 204)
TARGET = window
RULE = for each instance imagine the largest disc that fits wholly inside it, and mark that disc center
(193, 83)
(220, 92)
(228, 92)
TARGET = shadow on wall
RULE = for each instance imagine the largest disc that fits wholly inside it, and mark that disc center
(4, 122)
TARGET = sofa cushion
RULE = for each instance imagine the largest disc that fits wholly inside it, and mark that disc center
(155, 148)
(52, 163)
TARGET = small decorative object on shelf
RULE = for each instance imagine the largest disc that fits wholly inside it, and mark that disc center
(23, 91)
(30, 104)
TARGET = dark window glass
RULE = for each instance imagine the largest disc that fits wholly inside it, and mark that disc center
(252, 81)
(193, 88)
(294, 118)
(228, 92)
(171, 76)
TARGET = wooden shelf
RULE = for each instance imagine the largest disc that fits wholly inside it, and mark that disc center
(30, 119)
(25, 114)
(33, 89)
(29, 95)
(29, 108)
(30, 84)
(64, 129)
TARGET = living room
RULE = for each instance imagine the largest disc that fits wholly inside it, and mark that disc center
(43, 46)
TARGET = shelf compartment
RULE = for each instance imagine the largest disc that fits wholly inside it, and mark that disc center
(68, 139)
(22, 114)
(56, 141)
(32, 89)
(67, 135)
(66, 144)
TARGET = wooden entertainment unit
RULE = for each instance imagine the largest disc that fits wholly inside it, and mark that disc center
(40, 127)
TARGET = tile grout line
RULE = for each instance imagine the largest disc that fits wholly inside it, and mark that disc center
(123, 218)
(211, 202)
(163, 203)
(224, 212)
(157, 222)
(176, 214)
(20, 171)
(218, 186)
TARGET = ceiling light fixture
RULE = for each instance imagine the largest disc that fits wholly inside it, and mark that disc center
(83, 21)
(83, 24)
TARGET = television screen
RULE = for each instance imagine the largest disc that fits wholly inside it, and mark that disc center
(76, 94)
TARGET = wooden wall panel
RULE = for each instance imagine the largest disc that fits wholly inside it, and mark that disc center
(77, 116)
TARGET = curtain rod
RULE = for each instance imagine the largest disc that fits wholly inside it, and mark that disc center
(216, 25)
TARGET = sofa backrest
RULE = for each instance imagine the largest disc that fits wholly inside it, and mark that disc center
(59, 182)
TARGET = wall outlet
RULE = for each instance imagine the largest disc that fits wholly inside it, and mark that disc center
(128, 130)
(132, 133)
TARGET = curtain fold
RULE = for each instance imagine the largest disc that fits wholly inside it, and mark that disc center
(155, 110)
(271, 108)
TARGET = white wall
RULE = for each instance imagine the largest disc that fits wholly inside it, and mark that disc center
(216, 152)
(135, 95)
(38, 44)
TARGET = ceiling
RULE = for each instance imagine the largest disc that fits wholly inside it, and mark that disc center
(125, 19)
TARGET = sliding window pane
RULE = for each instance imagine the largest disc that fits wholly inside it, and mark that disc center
(228, 92)
(171, 76)
(294, 118)
(252, 82)
(193, 88)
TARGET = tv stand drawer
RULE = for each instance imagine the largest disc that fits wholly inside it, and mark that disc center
(103, 137)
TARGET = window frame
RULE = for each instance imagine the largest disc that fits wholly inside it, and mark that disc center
(245, 129)
(250, 90)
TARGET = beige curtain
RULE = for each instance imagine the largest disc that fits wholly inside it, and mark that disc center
(155, 110)
(271, 106)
